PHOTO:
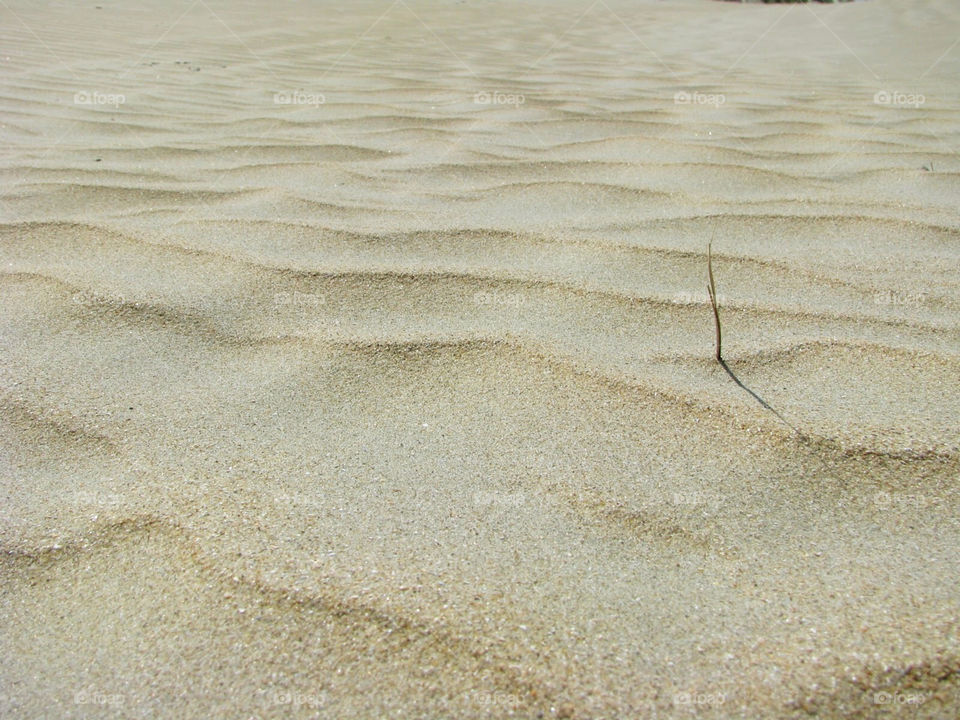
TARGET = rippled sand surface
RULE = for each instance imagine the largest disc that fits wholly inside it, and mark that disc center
(355, 359)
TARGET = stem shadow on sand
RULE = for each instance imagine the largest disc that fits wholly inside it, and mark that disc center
(763, 403)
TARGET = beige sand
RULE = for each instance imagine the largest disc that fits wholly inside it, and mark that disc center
(337, 381)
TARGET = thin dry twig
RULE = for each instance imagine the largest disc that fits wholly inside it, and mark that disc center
(711, 289)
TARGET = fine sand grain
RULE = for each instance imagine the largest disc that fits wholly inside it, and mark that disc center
(356, 359)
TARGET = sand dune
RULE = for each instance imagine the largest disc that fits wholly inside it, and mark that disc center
(357, 362)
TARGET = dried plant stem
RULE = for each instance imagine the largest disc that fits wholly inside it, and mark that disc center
(713, 299)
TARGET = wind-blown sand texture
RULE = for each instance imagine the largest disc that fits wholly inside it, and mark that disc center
(337, 381)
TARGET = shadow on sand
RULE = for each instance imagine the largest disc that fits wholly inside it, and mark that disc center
(763, 403)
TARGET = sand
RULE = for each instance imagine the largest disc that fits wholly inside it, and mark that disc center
(356, 360)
